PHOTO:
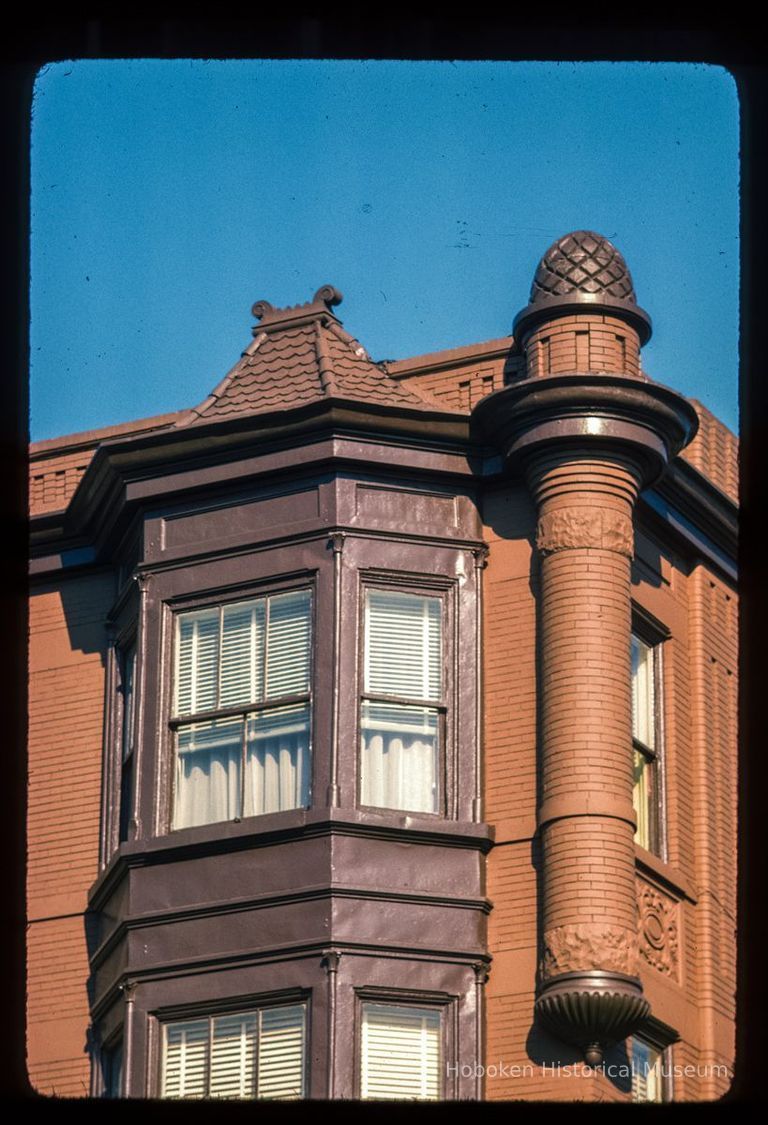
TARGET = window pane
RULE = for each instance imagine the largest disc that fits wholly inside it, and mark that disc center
(399, 757)
(281, 1053)
(641, 796)
(233, 1056)
(113, 1071)
(403, 645)
(251, 1054)
(185, 1069)
(642, 693)
(242, 653)
(129, 667)
(277, 763)
(197, 662)
(400, 1055)
(288, 644)
(208, 762)
(646, 1072)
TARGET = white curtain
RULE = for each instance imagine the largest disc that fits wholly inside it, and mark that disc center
(208, 763)
(277, 764)
(399, 757)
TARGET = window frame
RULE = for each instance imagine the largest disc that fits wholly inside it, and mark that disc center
(126, 757)
(174, 607)
(419, 585)
(653, 634)
(106, 1058)
(444, 1004)
(162, 1017)
(663, 1051)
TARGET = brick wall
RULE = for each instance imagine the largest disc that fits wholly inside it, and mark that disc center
(66, 695)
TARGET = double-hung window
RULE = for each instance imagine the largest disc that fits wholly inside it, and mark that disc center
(400, 1052)
(648, 1077)
(646, 738)
(248, 1054)
(403, 703)
(241, 716)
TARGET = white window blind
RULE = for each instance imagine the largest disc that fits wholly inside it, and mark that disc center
(400, 742)
(645, 792)
(400, 1053)
(258, 1054)
(403, 645)
(643, 710)
(242, 655)
(646, 1072)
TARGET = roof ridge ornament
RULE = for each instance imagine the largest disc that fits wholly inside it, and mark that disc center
(582, 272)
(321, 306)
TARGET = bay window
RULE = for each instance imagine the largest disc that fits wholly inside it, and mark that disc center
(400, 1052)
(403, 704)
(241, 714)
(646, 732)
(248, 1054)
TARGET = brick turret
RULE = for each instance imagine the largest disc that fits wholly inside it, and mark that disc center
(588, 431)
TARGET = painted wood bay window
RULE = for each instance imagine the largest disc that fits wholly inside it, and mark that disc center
(646, 738)
(249, 1054)
(400, 1052)
(242, 709)
(403, 706)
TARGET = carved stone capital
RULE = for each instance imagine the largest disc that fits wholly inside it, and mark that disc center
(330, 960)
(598, 528)
(480, 556)
(581, 946)
(657, 929)
(482, 971)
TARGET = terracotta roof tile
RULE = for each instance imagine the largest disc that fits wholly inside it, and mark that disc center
(303, 355)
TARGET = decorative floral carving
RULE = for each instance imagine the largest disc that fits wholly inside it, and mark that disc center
(585, 527)
(657, 927)
(588, 945)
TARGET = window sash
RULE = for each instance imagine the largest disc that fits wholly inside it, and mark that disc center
(401, 1052)
(252, 1054)
(245, 766)
(242, 709)
(244, 653)
(402, 709)
(647, 782)
(647, 1077)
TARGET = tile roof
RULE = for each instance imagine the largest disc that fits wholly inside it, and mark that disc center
(302, 355)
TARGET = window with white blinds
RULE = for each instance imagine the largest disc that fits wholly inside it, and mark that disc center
(256, 1054)
(646, 766)
(242, 709)
(400, 1052)
(403, 700)
(647, 1072)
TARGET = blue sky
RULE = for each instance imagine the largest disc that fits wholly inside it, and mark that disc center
(169, 195)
